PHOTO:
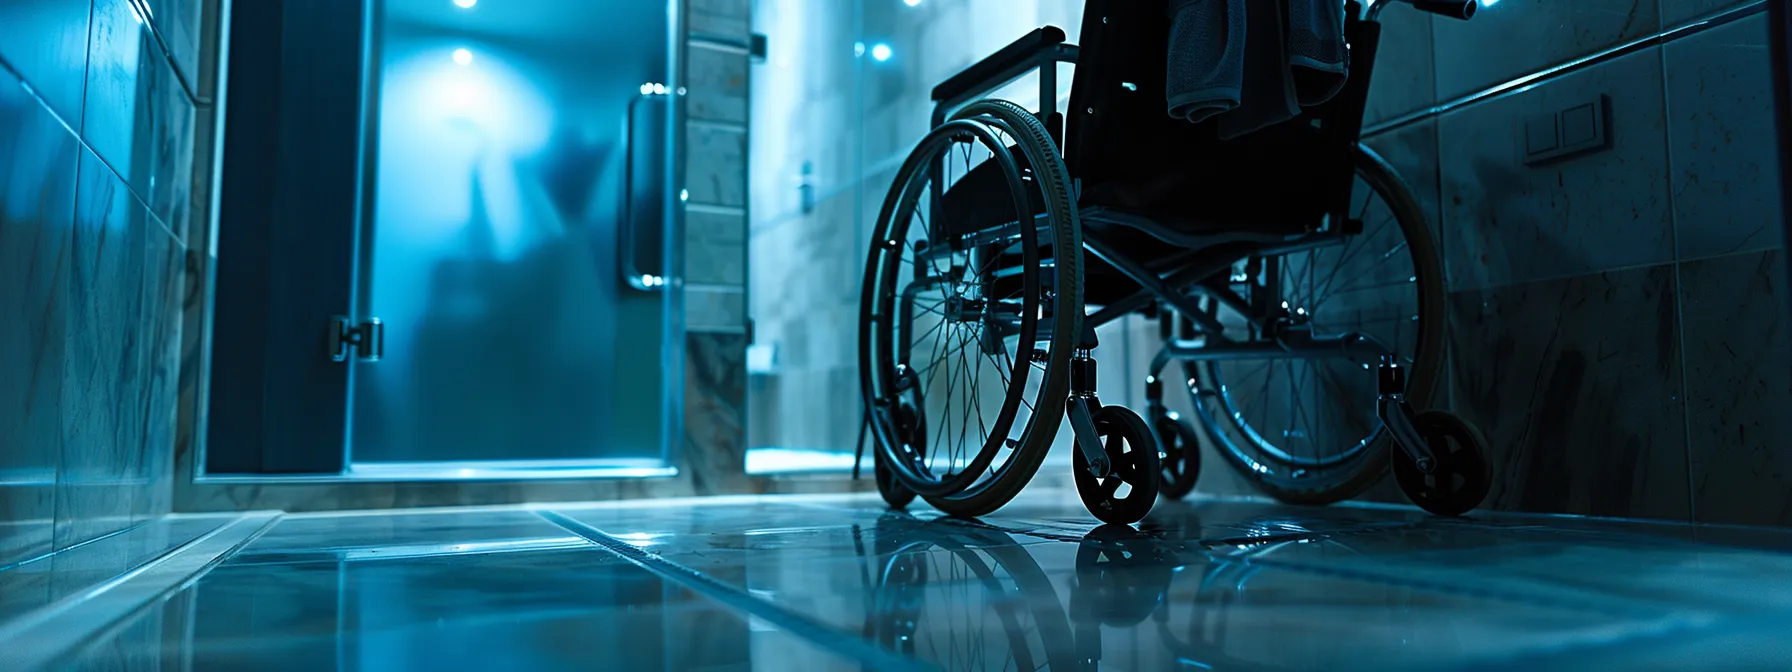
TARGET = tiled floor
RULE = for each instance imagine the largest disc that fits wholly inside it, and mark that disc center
(840, 583)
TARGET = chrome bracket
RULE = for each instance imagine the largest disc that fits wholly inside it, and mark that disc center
(367, 339)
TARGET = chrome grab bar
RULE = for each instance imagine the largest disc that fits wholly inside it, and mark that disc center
(630, 236)
(1455, 9)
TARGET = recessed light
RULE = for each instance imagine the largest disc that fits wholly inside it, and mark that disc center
(881, 52)
(462, 57)
(465, 4)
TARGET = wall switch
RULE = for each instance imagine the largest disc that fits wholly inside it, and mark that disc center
(1576, 130)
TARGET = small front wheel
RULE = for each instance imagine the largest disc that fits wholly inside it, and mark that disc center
(1463, 474)
(1126, 494)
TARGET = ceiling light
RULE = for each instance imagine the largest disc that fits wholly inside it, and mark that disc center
(462, 57)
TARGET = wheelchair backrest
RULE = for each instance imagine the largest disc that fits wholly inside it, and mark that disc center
(1119, 127)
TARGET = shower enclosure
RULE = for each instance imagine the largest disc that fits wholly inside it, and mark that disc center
(442, 254)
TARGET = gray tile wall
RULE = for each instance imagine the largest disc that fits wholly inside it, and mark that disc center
(715, 270)
(96, 135)
(1617, 318)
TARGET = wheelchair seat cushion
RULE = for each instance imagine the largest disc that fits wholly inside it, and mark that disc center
(1224, 192)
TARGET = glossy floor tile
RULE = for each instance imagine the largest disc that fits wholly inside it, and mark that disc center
(840, 583)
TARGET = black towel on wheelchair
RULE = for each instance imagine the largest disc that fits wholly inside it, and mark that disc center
(1250, 64)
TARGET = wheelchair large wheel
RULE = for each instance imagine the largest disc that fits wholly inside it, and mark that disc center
(958, 597)
(1306, 430)
(972, 326)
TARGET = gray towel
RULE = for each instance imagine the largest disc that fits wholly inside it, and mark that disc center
(1253, 63)
(1206, 68)
(1269, 97)
(1317, 50)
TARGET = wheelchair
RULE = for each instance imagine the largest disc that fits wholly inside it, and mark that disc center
(1293, 274)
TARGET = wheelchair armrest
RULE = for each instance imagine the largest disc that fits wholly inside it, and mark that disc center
(1001, 67)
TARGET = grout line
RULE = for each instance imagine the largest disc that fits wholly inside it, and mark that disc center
(722, 125)
(46, 556)
(1488, 287)
(151, 23)
(42, 637)
(88, 149)
(815, 632)
(1679, 294)
(1561, 70)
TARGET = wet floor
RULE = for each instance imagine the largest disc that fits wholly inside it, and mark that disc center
(840, 583)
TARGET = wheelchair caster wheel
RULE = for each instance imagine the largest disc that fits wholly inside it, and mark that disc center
(1462, 475)
(1180, 453)
(1133, 454)
(911, 428)
(1120, 578)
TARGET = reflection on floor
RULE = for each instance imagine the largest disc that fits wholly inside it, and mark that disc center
(839, 583)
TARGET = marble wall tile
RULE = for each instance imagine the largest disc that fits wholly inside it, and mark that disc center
(715, 251)
(715, 396)
(1508, 222)
(194, 318)
(1474, 55)
(717, 83)
(1413, 153)
(715, 309)
(103, 378)
(37, 196)
(138, 118)
(163, 279)
(716, 165)
(1404, 79)
(1721, 140)
(722, 18)
(1738, 387)
(179, 24)
(1677, 12)
(45, 42)
(1577, 385)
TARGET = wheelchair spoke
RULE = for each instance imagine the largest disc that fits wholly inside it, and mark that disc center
(1350, 254)
(1300, 417)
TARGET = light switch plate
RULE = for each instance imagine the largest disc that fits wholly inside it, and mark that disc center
(1576, 130)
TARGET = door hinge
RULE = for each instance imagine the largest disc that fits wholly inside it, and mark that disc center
(367, 338)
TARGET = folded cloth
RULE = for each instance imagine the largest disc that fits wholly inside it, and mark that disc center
(1317, 52)
(1268, 98)
(1253, 63)
(1206, 58)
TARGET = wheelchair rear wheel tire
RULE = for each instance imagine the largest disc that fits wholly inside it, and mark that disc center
(1248, 438)
(1014, 401)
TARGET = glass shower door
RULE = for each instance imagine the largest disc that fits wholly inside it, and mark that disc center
(517, 206)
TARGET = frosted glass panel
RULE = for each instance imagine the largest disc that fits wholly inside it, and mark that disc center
(494, 253)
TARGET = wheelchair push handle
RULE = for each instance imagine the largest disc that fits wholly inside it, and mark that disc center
(1455, 9)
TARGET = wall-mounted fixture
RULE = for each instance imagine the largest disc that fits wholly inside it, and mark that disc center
(1578, 129)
